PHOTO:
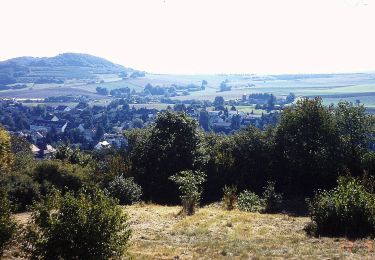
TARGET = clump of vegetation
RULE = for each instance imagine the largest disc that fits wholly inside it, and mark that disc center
(347, 210)
(8, 226)
(87, 226)
(271, 199)
(190, 187)
(249, 201)
(230, 197)
(125, 190)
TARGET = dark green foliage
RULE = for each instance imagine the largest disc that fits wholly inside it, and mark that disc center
(171, 145)
(21, 188)
(87, 226)
(125, 190)
(347, 210)
(249, 201)
(229, 197)
(190, 186)
(307, 151)
(61, 175)
(271, 199)
(8, 226)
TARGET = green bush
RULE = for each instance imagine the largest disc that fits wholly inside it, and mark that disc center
(125, 190)
(61, 175)
(87, 226)
(271, 199)
(8, 226)
(347, 210)
(190, 187)
(249, 201)
(230, 197)
(21, 188)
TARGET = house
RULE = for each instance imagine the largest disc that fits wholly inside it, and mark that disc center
(34, 149)
(46, 126)
(116, 140)
(51, 117)
(49, 151)
(62, 109)
(102, 145)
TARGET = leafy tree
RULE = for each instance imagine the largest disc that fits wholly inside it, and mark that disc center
(6, 156)
(219, 101)
(190, 186)
(249, 201)
(230, 197)
(8, 226)
(308, 153)
(169, 146)
(355, 128)
(271, 199)
(87, 226)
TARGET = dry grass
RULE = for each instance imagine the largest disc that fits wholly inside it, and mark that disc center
(213, 233)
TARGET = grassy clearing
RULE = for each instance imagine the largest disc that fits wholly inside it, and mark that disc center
(213, 233)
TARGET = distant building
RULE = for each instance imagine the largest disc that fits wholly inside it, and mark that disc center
(62, 109)
(46, 126)
(102, 145)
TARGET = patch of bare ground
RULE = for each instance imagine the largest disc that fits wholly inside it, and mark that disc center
(213, 233)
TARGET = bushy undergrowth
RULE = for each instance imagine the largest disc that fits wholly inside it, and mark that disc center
(249, 201)
(271, 199)
(190, 187)
(347, 210)
(8, 225)
(229, 197)
(87, 226)
(125, 190)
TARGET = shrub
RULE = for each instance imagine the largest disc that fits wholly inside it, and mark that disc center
(62, 175)
(21, 188)
(347, 210)
(125, 190)
(230, 197)
(8, 225)
(249, 201)
(190, 187)
(272, 200)
(87, 226)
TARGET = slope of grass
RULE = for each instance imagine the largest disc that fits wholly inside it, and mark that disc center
(213, 233)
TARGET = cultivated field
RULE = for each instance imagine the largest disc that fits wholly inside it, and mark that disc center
(213, 233)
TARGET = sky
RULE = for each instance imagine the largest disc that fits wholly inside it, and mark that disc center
(197, 36)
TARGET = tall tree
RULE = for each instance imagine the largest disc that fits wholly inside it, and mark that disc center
(6, 156)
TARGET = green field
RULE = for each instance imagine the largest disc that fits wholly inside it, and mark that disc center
(332, 87)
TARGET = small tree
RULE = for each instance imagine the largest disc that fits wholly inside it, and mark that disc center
(87, 226)
(271, 199)
(8, 225)
(230, 197)
(190, 187)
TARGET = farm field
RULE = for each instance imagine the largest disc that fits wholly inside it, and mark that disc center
(331, 87)
(212, 233)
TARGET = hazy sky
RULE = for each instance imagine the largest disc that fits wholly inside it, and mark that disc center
(197, 36)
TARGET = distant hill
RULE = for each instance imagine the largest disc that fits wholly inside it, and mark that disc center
(59, 69)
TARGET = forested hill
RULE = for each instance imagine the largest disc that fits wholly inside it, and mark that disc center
(58, 69)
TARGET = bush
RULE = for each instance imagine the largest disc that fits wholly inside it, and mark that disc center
(125, 190)
(249, 201)
(272, 200)
(88, 226)
(8, 225)
(61, 175)
(230, 197)
(190, 186)
(347, 210)
(21, 188)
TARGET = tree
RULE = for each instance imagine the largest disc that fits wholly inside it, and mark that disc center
(190, 186)
(355, 128)
(6, 156)
(308, 155)
(219, 101)
(171, 145)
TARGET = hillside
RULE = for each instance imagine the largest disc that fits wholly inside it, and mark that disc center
(58, 69)
(212, 233)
